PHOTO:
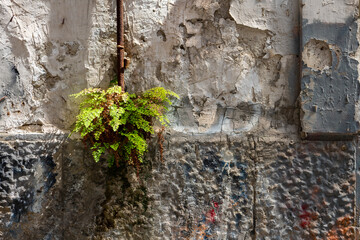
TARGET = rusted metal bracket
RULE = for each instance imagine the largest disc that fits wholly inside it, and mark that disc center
(120, 44)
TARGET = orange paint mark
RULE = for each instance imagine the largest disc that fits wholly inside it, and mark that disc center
(197, 233)
(343, 229)
(233, 204)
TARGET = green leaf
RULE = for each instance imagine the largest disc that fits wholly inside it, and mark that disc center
(114, 89)
(116, 113)
(98, 151)
(87, 115)
(115, 146)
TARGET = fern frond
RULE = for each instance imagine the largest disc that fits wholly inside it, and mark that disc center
(116, 113)
(120, 122)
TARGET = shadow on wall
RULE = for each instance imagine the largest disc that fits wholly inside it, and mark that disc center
(14, 109)
(27, 176)
(65, 64)
(45, 55)
(12, 94)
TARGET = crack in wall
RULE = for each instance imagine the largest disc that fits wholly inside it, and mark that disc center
(254, 157)
(357, 190)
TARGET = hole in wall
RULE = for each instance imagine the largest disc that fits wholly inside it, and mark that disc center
(317, 55)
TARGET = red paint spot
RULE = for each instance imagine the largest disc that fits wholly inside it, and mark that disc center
(306, 216)
(304, 223)
(211, 215)
(304, 206)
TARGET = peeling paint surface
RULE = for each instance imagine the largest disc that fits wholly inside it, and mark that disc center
(278, 17)
(329, 11)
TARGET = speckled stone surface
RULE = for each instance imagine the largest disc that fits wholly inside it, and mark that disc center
(218, 187)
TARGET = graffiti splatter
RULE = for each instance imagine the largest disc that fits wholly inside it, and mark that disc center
(227, 171)
(204, 226)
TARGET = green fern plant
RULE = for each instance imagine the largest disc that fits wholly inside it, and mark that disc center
(121, 123)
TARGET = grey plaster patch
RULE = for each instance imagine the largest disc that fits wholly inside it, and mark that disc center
(328, 97)
(10, 85)
(72, 48)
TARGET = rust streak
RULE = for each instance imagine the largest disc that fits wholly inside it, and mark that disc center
(120, 44)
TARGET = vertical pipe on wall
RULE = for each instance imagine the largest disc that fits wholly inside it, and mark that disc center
(120, 43)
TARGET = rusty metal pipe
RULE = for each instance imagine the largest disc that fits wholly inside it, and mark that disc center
(120, 44)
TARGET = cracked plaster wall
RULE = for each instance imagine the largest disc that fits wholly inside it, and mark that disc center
(235, 167)
(222, 66)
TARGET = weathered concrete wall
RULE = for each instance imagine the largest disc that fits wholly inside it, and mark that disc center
(222, 68)
(235, 166)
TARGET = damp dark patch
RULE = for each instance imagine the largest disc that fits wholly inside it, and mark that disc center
(18, 164)
(161, 34)
(159, 75)
(48, 166)
(212, 161)
(224, 10)
(187, 169)
(15, 71)
(10, 79)
(21, 205)
(143, 38)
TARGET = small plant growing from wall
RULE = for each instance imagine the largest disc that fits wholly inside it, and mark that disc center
(117, 122)
(120, 123)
